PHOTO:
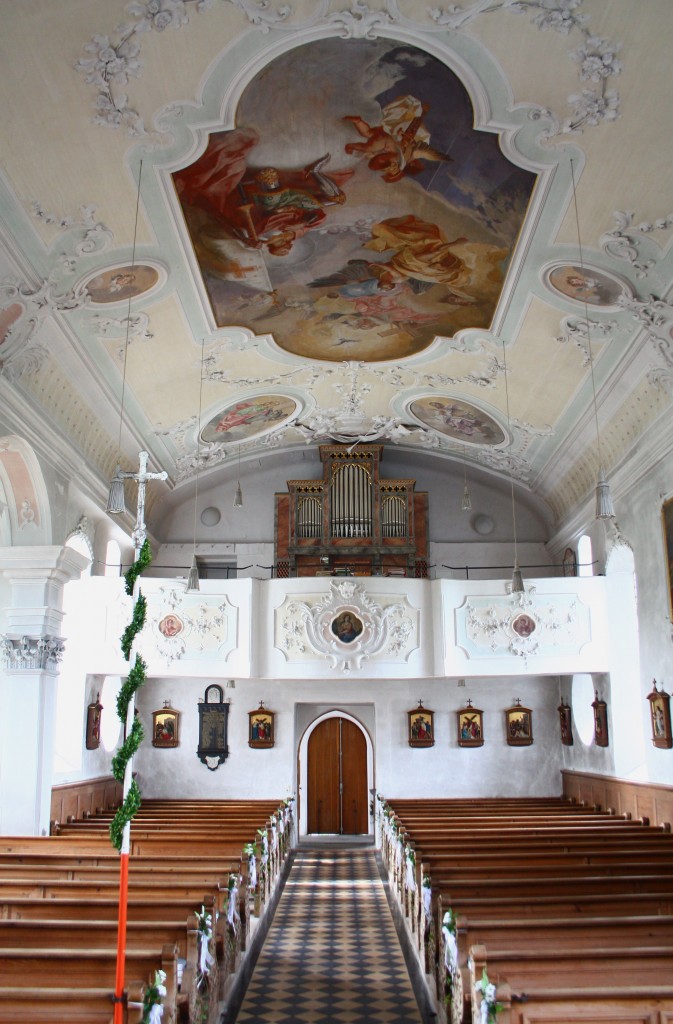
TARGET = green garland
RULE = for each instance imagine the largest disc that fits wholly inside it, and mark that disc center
(134, 626)
(144, 559)
(127, 750)
(135, 679)
(128, 810)
(133, 682)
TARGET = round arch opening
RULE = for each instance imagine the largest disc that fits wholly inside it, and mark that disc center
(303, 765)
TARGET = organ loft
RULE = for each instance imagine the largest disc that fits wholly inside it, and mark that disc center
(353, 521)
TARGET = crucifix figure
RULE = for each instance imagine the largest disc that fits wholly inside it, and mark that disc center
(141, 477)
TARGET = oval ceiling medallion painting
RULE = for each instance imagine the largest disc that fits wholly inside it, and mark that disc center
(457, 419)
(585, 285)
(121, 283)
(8, 317)
(353, 213)
(243, 420)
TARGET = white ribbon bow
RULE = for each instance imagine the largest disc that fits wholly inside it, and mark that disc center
(252, 870)
(206, 957)
(231, 907)
(450, 949)
(411, 874)
(427, 900)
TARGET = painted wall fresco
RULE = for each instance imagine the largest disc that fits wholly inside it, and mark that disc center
(353, 212)
(456, 419)
(245, 419)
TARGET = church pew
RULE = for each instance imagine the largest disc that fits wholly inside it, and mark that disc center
(614, 1004)
(608, 987)
(39, 1005)
(576, 932)
(159, 884)
(76, 889)
(490, 864)
(102, 908)
(93, 934)
(563, 904)
(86, 968)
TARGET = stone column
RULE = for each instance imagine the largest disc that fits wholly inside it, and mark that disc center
(30, 651)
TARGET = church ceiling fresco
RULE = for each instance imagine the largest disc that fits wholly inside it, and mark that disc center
(353, 212)
(327, 247)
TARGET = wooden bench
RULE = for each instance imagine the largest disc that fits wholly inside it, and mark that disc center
(607, 987)
(568, 867)
(59, 905)
(82, 968)
(40, 1005)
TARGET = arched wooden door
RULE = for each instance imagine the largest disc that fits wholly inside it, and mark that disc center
(337, 779)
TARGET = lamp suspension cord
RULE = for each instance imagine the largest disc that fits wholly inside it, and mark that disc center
(586, 317)
(509, 461)
(198, 444)
(128, 314)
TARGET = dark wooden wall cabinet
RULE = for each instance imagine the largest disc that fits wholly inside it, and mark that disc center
(352, 522)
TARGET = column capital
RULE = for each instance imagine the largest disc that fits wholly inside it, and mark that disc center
(42, 562)
(31, 653)
(37, 575)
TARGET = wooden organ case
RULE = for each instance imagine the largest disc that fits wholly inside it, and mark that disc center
(352, 522)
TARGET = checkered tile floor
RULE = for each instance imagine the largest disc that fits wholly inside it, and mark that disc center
(332, 955)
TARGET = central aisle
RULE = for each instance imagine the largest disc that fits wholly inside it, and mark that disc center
(332, 953)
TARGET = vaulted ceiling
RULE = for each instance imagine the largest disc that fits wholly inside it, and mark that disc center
(235, 229)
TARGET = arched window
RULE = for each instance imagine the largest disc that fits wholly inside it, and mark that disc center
(113, 558)
(109, 723)
(585, 556)
(80, 542)
(583, 713)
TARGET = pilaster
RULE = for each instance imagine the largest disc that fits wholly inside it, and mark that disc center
(30, 652)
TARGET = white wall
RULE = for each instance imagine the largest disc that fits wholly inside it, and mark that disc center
(445, 769)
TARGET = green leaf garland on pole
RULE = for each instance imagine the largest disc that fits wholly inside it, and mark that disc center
(134, 681)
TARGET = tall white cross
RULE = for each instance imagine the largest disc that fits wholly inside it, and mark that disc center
(141, 477)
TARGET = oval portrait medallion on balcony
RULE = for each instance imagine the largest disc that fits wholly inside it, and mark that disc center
(353, 213)
(457, 419)
(252, 416)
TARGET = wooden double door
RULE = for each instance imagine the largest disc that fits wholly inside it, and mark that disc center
(337, 779)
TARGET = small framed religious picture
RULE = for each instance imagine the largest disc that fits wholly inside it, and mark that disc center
(93, 717)
(166, 726)
(470, 726)
(261, 727)
(519, 725)
(569, 562)
(421, 726)
(213, 748)
(660, 713)
(565, 718)
(600, 707)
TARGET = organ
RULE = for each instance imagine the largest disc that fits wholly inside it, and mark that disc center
(352, 522)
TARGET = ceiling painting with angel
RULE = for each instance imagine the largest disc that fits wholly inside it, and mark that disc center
(354, 212)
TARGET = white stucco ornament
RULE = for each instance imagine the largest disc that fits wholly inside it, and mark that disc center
(522, 625)
(182, 624)
(347, 625)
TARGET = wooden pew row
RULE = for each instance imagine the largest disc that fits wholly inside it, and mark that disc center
(170, 869)
(56, 1005)
(463, 859)
(576, 932)
(100, 908)
(609, 987)
(76, 970)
